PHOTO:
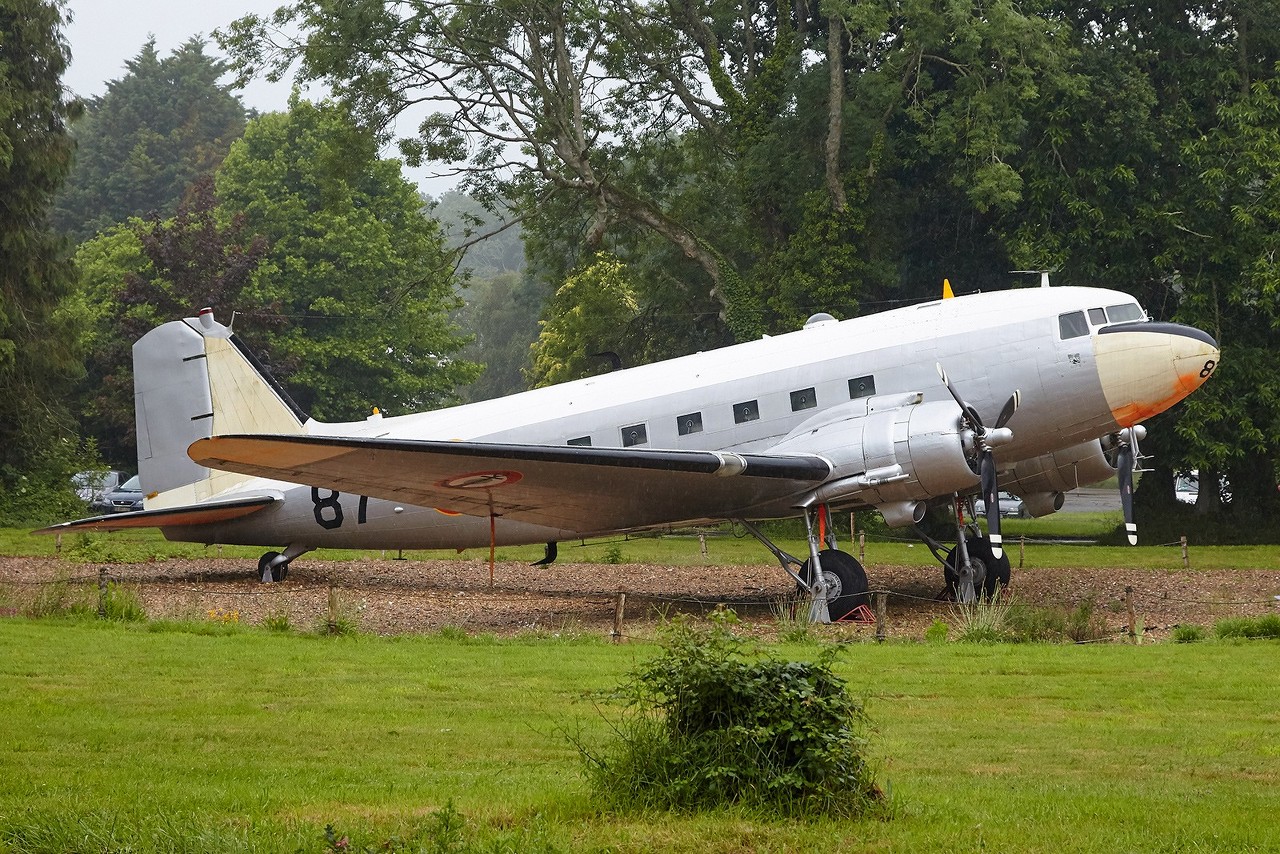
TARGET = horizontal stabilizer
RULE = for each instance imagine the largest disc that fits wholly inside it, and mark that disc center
(195, 514)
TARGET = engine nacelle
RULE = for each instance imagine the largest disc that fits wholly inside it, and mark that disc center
(1060, 471)
(1042, 503)
(890, 452)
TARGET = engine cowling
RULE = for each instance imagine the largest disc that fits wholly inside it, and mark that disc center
(890, 452)
(1058, 472)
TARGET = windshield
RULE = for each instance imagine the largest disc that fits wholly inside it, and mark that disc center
(132, 485)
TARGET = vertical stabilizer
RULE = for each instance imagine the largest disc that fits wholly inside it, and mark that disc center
(191, 381)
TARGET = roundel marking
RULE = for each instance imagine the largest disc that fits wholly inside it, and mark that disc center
(481, 480)
(444, 512)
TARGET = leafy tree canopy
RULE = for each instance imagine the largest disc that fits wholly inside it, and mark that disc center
(39, 340)
(143, 143)
(357, 276)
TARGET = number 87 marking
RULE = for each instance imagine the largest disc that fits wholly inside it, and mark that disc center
(323, 506)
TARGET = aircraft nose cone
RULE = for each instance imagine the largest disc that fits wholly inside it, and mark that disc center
(1145, 368)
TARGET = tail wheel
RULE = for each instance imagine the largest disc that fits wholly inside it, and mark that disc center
(270, 571)
(993, 573)
(846, 582)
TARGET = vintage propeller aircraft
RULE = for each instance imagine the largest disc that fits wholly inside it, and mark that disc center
(1036, 391)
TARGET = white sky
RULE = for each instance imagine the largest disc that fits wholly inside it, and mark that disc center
(105, 34)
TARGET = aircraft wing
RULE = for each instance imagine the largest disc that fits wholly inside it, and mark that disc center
(194, 514)
(572, 488)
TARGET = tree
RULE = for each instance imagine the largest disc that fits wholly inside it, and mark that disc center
(357, 275)
(147, 272)
(589, 316)
(142, 144)
(38, 339)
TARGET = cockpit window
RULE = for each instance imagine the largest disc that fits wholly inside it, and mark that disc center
(1072, 325)
(1125, 312)
(1097, 317)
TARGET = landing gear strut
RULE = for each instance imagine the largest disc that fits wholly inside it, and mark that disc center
(840, 585)
(274, 566)
(971, 569)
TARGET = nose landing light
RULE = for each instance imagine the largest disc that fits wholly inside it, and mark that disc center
(1145, 368)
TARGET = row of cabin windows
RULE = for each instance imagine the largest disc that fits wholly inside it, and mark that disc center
(747, 411)
(1073, 324)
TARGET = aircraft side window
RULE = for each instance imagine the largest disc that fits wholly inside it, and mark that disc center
(1072, 325)
(636, 434)
(1097, 317)
(691, 423)
(581, 440)
(806, 398)
(746, 411)
(1125, 312)
(862, 387)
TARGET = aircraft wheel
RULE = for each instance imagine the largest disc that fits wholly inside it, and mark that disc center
(269, 573)
(992, 574)
(846, 582)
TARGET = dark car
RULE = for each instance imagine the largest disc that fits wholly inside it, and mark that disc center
(92, 485)
(126, 497)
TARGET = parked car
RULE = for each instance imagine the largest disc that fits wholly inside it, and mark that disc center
(92, 485)
(1010, 506)
(127, 496)
(1186, 487)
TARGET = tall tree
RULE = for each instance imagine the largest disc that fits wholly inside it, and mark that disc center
(142, 144)
(38, 341)
(147, 272)
(357, 270)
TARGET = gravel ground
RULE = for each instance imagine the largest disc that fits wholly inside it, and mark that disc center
(397, 597)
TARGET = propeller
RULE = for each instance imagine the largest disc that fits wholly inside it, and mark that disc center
(1126, 463)
(986, 440)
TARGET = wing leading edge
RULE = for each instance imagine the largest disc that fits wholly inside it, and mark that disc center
(579, 489)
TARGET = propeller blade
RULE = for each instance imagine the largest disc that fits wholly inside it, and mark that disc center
(991, 497)
(1124, 471)
(970, 414)
(1010, 407)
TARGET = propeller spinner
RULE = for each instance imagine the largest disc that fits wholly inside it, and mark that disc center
(986, 440)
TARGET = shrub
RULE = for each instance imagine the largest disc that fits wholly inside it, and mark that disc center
(1187, 634)
(121, 604)
(1249, 627)
(714, 720)
(937, 631)
(982, 622)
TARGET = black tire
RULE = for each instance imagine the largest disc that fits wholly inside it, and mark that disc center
(846, 582)
(995, 573)
(269, 573)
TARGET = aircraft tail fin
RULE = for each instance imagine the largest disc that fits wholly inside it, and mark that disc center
(193, 380)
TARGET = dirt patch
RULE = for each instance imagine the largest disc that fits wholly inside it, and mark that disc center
(398, 597)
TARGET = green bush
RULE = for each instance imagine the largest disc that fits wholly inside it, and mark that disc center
(715, 720)
(1187, 634)
(1249, 627)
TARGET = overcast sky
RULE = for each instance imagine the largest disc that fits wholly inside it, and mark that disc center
(105, 34)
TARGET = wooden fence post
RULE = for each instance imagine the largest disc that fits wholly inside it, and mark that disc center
(1022, 550)
(1186, 560)
(881, 604)
(101, 593)
(862, 546)
(619, 607)
(1133, 619)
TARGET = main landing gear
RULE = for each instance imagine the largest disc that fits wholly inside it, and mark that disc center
(274, 566)
(970, 568)
(839, 587)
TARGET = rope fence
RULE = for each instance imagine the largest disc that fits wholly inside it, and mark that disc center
(597, 606)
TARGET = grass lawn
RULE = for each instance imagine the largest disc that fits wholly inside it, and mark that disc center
(156, 737)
